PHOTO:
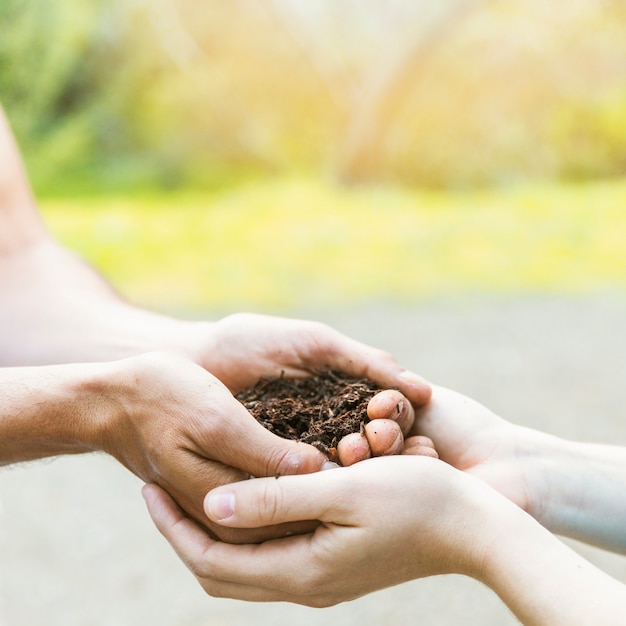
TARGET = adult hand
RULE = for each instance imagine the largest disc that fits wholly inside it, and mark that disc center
(435, 520)
(572, 488)
(176, 425)
(241, 348)
(472, 438)
(425, 529)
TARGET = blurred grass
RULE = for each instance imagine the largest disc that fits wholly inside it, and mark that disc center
(296, 243)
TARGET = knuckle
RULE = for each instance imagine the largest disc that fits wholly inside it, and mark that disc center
(198, 567)
(279, 462)
(381, 356)
(215, 425)
(271, 501)
(322, 339)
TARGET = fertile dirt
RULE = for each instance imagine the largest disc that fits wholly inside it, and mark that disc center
(319, 410)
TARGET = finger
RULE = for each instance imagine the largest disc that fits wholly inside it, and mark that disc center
(211, 560)
(283, 570)
(384, 437)
(360, 360)
(420, 451)
(419, 445)
(189, 542)
(419, 440)
(236, 438)
(265, 593)
(190, 476)
(190, 487)
(353, 448)
(391, 404)
(267, 501)
(248, 593)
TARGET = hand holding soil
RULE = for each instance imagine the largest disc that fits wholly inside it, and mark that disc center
(349, 419)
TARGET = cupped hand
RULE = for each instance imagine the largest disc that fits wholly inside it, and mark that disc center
(383, 522)
(177, 426)
(472, 438)
(241, 348)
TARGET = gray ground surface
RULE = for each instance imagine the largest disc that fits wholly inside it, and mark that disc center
(77, 547)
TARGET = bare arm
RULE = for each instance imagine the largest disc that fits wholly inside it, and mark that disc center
(574, 489)
(435, 520)
(55, 308)
(164, 418)
(20, 224)
(578, 488)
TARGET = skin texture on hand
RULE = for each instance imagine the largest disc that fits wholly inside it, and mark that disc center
(171, 422)
(573, 489)
(269, 346)
(165, 418)
(472, 438)
(241, 348)
(181, 428)
(355, 550)
(434, 520)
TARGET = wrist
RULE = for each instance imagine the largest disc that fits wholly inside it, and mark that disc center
(48, 411)
(103, 392)
(550, 467)
(531, 457)
(579, 491)
(540, 579)
(61, 311)
(483, 514)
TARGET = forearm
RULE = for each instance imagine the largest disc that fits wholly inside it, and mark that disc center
(20, 224)
(577, 488)
(53, 307)
(47, 411)
(544, 582)
(56, 309)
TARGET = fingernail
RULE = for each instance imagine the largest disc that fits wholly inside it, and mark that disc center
(221, 505)
(328, 465)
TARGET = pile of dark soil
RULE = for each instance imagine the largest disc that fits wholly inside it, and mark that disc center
(319, 410)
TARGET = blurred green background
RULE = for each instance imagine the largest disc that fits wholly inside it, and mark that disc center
(277, 154)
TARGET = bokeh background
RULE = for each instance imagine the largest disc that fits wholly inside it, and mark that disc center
(276, 154)
(445, 179)
(454, 94)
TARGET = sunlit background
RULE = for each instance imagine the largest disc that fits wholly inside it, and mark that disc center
(276, 153)
(445, 179)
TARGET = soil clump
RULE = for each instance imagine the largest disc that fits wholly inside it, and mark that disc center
(319, 410)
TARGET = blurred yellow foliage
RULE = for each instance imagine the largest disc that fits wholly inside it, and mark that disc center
(302, 243)
(125, 94)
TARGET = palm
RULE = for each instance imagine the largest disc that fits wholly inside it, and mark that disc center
(473, 439)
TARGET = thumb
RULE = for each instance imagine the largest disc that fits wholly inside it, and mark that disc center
(247, 445)
(268, 501)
